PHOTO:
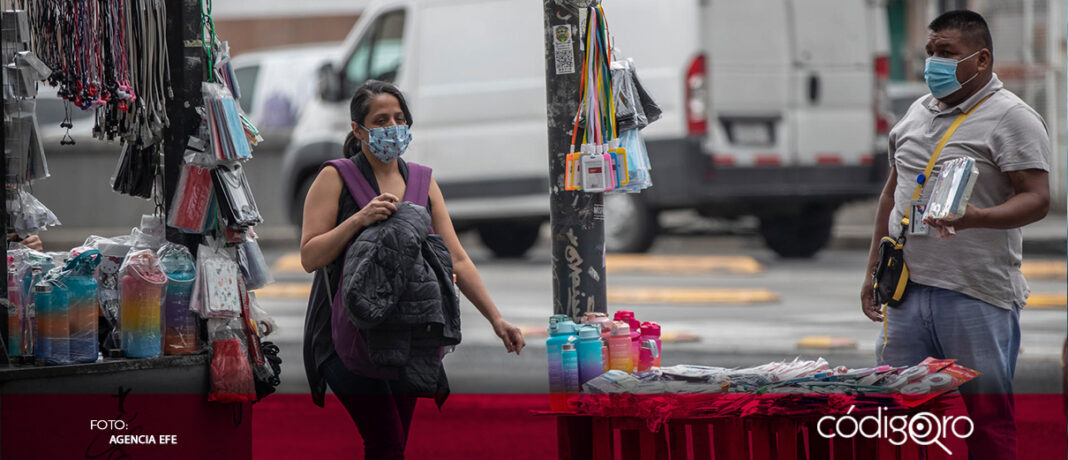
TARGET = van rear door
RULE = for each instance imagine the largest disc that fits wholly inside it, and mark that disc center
(832, 81)
(748, 65)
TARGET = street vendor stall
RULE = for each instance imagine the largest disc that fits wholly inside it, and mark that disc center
(165, 318)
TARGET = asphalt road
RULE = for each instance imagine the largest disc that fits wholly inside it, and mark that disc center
(739, 305)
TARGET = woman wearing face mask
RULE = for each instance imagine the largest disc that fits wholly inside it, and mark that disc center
(332, 218)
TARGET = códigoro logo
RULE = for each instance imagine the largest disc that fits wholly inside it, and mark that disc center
(923, 428)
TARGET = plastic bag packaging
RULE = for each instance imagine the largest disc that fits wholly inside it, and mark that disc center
(192, 199)
(215, 291)
(83, 304)
(254, 268)
(228, 141)
(30, 215)
(143, 285)
(113, 252)
(638, 164)
(265, 323)
(952, 189)
(26, 268)
(152, 234)
(649, 106)
(231, 374)
(179, 322)
(629, 111)
(234, 196)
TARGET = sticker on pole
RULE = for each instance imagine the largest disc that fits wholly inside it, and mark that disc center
(564, 50)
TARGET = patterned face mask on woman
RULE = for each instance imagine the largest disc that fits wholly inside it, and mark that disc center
(389, 142)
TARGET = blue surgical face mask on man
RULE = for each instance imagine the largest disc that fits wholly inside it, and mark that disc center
(389, 142)
(941, 75)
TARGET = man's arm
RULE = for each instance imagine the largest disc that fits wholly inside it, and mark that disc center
(882, 219)
(1030, 203)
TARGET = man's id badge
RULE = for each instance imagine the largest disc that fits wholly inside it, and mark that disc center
(916, 210)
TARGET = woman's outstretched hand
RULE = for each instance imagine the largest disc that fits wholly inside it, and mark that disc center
(510, 335)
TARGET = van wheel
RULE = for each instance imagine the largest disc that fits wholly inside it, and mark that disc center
(799, 235)
(296, 209)
(509, 239)
(629, 224)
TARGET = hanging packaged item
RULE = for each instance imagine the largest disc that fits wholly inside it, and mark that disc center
(192, 199)
(254, 268)
(216, 293)
(179, 322)
(142, 290)
(84, 304)
(30, 215)
(228, 141)
(235, 196)
(231, 374)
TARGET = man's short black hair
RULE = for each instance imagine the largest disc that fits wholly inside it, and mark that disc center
(972, 26)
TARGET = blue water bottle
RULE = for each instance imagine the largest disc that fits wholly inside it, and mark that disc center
(570, 365)
(590, 356)
(83, 306)
(561, 331)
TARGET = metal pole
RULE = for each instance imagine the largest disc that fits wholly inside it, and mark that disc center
(4, 361)
(576, 218)
(186, 60)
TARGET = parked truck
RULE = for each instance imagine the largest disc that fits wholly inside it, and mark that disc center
(771, 108)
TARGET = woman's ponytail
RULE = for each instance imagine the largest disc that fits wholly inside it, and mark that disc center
(352, 145)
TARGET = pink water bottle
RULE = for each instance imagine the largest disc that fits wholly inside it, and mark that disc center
(619, 352)
(635, 335)
(601, 321)
(651, 331)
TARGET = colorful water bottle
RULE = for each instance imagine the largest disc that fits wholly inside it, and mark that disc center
(635, 335)
(590, 353)
(142, 285)
(571, 369)
(14, 313)
(179, 322)
(84, 305)
(561, 331)
(53, 323)
(651, 331)
(619, 352)
(601, 321)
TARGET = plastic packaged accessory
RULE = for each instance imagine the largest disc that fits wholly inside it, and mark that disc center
(215, 292)
(231, 374)
(254, 268)
(192, 199)
(952, 189)
(235, 196)
(228, 141)
(30, 215)
(179, 322)
(143, 285)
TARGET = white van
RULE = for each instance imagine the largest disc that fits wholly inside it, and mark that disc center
(769, 109)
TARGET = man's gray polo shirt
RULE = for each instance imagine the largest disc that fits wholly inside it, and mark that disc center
(1004, 134)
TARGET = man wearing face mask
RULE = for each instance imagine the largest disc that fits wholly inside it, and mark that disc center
(965, 288)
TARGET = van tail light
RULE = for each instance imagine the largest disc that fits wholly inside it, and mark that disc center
(696, 97)
(881, 105)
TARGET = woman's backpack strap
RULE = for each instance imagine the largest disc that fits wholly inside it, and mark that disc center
(354, 181)
(417, 189)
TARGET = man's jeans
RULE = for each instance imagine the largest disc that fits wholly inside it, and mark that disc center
(947, 324)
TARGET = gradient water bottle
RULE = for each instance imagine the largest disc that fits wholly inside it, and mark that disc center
(590, 353)
(29, 322)
(84, 306)
(569, 359)
(53, 323)
(651, 331)
(14, 314)
(635, 335)
(561, 331)
(142, 285)
(179, 322)
(619, 352)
